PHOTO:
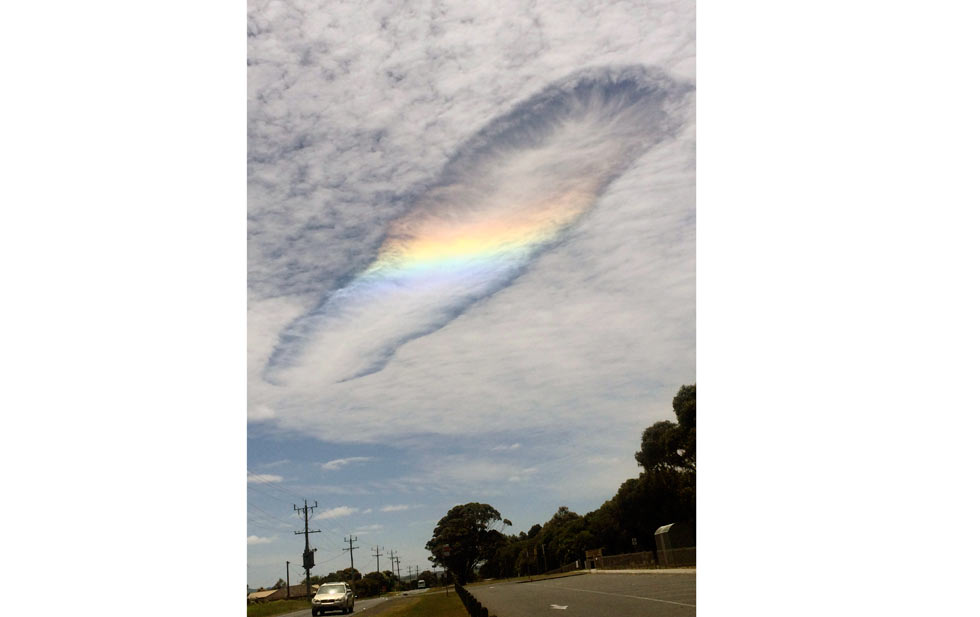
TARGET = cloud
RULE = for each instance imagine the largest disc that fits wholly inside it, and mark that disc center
(337, 512)
(602, 460)
(601, 323)
(513, 191)
(261, 412)
(501, 448)
(264, 477)
(259, 540)
(396, 508)
(368, 529)
(342, 462)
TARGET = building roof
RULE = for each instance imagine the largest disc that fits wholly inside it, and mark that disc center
(260, 595)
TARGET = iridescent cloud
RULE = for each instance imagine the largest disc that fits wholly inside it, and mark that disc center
(508, 194)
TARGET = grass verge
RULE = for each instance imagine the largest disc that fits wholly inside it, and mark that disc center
(277, 607)
(428, 605)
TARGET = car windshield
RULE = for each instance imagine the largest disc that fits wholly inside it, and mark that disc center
(330, 589)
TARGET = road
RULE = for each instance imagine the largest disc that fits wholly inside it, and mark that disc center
(593, 595)
(359, 605)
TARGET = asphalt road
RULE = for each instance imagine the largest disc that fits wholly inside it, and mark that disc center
(361, 605)
(593, 595)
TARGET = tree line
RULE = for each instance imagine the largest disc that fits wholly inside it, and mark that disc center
(663, 493)
(367, 585)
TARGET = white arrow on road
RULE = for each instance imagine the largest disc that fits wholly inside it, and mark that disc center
(561, 608)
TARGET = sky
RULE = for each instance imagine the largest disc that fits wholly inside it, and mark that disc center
(471, 256)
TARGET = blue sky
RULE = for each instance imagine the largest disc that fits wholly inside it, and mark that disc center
(523, 380)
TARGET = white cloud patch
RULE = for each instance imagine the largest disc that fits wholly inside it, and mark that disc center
(396, 508)
(264, 477)
(368, 529)
(337, 512)
(259, 540)
(503, 448)
(343, 462)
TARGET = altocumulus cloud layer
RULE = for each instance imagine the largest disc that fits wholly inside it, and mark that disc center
(457, 227)
(509, 193)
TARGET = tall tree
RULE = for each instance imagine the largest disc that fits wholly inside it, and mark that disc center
(467, 530)
(671, 445)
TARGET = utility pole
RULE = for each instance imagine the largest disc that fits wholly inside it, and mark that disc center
(398, 564)
(377, 558)
(307, 553)
(287, 580)
(351, 549)
(392, 554)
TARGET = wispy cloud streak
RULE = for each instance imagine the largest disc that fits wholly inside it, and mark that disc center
(263, 477)
(342, 462)
(508, 194)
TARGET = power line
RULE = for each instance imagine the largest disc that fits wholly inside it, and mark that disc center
(270, 515)
(253, 524)
(351, 541)
(307, 553)
(286, 521)
(282, 489)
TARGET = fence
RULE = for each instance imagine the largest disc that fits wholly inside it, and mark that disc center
(677, 557)
(626, 561)
(568, 567)
(669, 558)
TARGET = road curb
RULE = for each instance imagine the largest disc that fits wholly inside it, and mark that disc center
(651, 571)
(551, 578)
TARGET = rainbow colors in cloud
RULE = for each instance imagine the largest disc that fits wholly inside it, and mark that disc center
(511, 192)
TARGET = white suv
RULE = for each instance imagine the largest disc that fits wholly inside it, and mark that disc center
(333, 597)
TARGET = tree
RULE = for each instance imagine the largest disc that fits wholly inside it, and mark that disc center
(370, 584)
(670, 445)
(467, 531)
(279, 584)
(431, 580)
(350, 574)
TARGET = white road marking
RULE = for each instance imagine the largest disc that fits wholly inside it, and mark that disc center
(623, 595)
(559, 607)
